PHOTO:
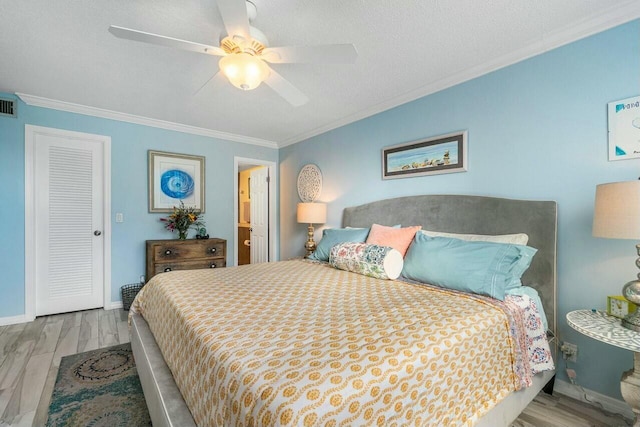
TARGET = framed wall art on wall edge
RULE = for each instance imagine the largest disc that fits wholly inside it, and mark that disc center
(173, 178)
(437, 155)
(624, 128)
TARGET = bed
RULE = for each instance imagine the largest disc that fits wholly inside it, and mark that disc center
(342, 370)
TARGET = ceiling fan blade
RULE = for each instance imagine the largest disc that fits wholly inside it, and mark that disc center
(234, 16)
(285, 89)
(330, 53)
(218, 76)
(141, 36)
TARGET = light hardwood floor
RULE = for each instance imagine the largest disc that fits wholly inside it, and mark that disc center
(30, 355)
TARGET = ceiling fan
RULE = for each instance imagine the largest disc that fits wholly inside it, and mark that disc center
(245, 51)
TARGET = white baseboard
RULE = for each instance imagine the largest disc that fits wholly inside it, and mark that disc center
(608, 403)
(22, 318)
(12, 320)
(113, 305)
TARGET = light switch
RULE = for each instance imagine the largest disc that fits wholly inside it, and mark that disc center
(119, 217)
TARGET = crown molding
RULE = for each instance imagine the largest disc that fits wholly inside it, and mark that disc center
(625, 12)
(38, 101)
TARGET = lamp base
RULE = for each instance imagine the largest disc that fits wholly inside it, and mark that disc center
(632, 321)
(631, 291)
(310, 245)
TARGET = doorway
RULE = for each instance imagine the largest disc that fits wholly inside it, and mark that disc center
(254, 211)
(67, 228)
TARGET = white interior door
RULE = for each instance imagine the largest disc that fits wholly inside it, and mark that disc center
(68, 211)
(259, 188)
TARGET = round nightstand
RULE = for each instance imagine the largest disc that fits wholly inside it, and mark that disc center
(602, 327)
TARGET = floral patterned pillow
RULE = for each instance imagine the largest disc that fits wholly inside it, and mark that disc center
(381, 262)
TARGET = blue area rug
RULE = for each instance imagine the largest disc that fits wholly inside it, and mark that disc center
(98, 388)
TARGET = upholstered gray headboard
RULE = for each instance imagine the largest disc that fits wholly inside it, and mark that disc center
(478, 215)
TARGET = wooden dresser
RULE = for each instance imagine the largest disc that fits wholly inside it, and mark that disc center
(189, 254)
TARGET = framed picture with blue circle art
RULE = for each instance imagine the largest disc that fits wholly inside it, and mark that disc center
(173, 178)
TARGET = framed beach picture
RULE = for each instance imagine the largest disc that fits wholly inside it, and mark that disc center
(440, 154)
(624, 128)
(174, 178)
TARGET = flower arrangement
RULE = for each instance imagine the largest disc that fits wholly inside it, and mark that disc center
(182, 219)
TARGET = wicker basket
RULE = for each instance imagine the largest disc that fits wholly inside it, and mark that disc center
(129, 292)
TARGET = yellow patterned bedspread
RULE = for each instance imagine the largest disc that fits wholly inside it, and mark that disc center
(296, 343)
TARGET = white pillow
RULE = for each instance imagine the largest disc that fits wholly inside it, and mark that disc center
(515, 239)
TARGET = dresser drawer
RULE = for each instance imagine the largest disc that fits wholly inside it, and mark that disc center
(171, 255)
(188, 265)
(168, 251)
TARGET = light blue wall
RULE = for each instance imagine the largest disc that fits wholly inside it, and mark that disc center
(129, 146)
(537, 130)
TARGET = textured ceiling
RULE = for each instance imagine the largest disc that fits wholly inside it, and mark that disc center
(62, 51)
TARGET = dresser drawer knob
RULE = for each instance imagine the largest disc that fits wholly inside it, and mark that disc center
(212, 250)
(212, 265)
(167, 269)
(167, 252)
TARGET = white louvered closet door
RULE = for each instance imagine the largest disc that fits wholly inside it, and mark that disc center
(69, 222)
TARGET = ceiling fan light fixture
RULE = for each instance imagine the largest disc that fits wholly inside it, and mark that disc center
(244, 70)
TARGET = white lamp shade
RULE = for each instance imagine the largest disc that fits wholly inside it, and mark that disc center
(312, 213)
(617, 210)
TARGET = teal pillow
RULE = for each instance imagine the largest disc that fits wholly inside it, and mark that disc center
(334, 236)
(521, 265)
(484, 268)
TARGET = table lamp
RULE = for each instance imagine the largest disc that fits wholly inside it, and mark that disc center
(617, 216)
(311, 213)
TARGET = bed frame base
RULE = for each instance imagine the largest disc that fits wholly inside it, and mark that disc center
(166, 406)
(508, 409)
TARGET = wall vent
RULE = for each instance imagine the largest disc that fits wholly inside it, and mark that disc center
(8, 108)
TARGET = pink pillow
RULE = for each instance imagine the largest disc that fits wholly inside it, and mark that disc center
(397, 238)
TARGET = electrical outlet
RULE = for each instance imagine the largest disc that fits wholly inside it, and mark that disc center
(142, 278)
(569, 351)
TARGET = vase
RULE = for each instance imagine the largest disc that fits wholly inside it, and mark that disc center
(182, 234)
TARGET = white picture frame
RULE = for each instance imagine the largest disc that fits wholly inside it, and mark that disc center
(624, 128)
